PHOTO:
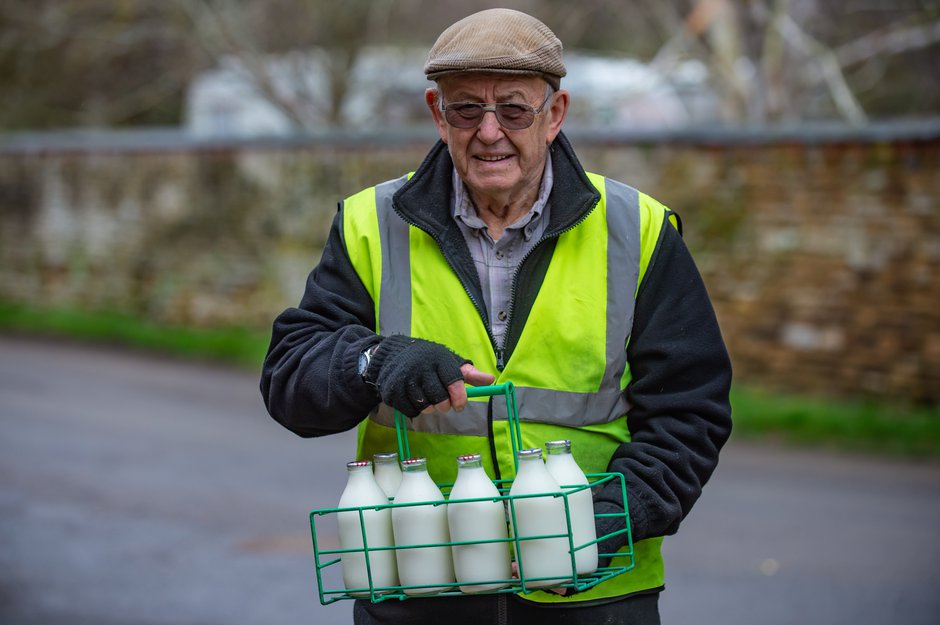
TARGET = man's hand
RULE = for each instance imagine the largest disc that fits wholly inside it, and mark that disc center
(414, 375)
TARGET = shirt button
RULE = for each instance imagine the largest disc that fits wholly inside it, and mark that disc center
(500, 255)
(502, 315)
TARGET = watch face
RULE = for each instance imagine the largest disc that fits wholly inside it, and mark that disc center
(363, 363)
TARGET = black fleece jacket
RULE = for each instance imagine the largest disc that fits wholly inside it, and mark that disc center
(681, 374)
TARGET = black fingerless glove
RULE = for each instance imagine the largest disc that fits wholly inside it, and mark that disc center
(412, 374)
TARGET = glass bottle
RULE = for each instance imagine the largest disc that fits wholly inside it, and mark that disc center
(387, 472)
(372, 529)
(563, 467)
(543, 562)
(478, 521)
(421, 525)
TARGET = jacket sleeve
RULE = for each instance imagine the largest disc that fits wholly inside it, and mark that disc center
(680, 415)
(309, 381)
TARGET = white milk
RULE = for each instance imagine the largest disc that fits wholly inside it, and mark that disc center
(561, 464)
(362, 491)
(421, 525)
(478, 520)
(387, 472)
(538, 516)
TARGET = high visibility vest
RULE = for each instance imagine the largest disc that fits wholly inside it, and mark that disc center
(569, 366)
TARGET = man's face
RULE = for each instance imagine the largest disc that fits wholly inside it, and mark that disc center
(495, 162)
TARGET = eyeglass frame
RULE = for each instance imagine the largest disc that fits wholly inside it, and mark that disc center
(494, 108)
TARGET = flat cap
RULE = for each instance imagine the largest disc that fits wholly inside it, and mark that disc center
(500, 41)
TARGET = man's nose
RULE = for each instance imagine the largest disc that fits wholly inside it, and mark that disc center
(489, 126)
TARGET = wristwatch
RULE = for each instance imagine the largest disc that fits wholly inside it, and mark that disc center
(365, 357)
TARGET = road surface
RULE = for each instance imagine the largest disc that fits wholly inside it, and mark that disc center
(142, 490)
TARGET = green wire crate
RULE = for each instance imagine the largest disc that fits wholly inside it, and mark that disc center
(328, 561)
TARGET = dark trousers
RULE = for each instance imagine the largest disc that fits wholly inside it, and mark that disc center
(506, 609)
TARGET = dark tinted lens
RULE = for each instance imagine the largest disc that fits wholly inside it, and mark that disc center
(514, 116)
(464, 115)
(470, 115)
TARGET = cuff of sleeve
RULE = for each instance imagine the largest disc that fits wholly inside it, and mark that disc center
(610, 525)
(390, 346)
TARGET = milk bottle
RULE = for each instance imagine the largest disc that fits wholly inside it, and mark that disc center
(387, 472)
(561, 464)
(421, 525)
(539, 516)
(363, 491)
(478, 520)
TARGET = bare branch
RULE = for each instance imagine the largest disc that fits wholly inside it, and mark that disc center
(841, 94)
(893, 39)
(771, 94)
(710, 32)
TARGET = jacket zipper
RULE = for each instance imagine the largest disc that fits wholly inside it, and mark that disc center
(500, 362)
(476, 304)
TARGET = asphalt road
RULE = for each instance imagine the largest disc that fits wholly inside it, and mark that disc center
(139, 490)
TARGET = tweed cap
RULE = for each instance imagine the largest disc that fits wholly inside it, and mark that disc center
(499, 41)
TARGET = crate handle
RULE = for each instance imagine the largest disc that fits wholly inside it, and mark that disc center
(506, 389)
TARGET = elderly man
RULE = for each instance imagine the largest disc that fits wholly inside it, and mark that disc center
(501, 259)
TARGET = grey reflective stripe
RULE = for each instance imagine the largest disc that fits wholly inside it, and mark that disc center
(470, 422)
(565, 407)
(395, 296)
(535, 405)
(623, 272)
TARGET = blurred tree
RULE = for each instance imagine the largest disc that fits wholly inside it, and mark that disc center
(91, 63)
(250, 31)
(128, 62)
(774, 60)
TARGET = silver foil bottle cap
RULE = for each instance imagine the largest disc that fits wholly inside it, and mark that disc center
(414, 464)
(470, 460)
(558, 447)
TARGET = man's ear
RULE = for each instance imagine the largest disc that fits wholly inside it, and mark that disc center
(432, 97)
(556, 114)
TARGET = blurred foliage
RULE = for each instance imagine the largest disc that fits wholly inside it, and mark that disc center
(67, 63)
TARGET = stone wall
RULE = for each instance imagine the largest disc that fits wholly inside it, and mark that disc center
(821, 251)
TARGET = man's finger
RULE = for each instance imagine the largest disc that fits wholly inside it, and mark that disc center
(458, 395)
(475, 377)
(457, 391)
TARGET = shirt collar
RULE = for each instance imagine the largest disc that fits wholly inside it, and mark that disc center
(466, 212)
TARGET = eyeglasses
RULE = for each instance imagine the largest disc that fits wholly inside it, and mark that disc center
(510, 115)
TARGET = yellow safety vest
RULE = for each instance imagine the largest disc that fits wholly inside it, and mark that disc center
(569, 366)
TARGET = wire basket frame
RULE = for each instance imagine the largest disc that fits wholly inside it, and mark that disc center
(328, 560)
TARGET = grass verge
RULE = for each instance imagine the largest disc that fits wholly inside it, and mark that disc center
(237, 346)
(883, 427)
